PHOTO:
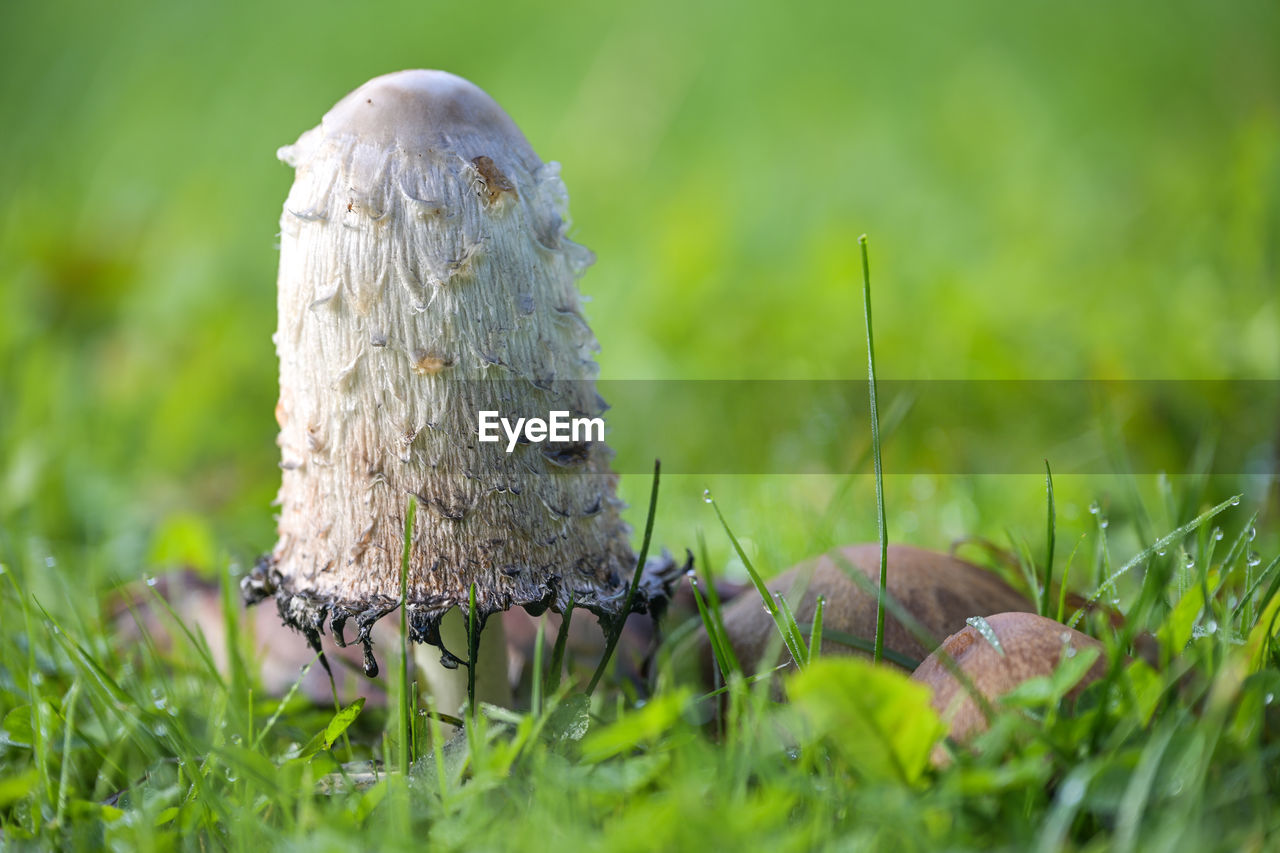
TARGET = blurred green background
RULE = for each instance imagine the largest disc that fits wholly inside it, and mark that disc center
(1053, 191)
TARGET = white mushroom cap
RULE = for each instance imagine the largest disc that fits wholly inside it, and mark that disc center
(416, 111)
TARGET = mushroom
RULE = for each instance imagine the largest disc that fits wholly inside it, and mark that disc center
(426, 279)
(940, 591)
(1029, 645)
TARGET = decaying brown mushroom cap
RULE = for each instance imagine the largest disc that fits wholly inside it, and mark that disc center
(425, 276)
(1032, 646)
(938, 590)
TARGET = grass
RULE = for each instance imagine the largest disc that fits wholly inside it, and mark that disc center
(136, 747)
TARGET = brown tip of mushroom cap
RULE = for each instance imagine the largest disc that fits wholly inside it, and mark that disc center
(416, 110)
(1032, 646)
(940, 591)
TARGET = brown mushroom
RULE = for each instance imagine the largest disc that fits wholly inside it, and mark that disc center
(940, 591)
(1028, 646)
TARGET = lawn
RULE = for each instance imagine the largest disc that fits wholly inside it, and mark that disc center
(1074, 224)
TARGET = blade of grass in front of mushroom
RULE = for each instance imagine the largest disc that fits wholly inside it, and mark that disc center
(1051, 521)
(815, 629)
(535, 666)
(714, 631)
(404, 722)
(616, 625)
(473, 651)
(918, 631)
(790, 631)
(556, 670)
(875, 453)
(714, 603)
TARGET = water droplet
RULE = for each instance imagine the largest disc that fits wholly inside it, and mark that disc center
(1065, 637)
(1094, 509)
(1218, 534)
(161, 730)
(50, 561)
(1104, 522)
(1161, 550)
(1070, 651)
(237, 740)
(1211, 627)
(1235, 501)
(1252, 534)
(1189, 561)
(150, 579)
(984, 628)
(1268, 699)
(706, 496)
(1253, 559)
(231, 775)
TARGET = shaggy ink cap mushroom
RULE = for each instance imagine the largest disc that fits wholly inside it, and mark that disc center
(425, 276)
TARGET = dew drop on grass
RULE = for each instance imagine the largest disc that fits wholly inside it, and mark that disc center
(231, 775)
(1161, 551)
(50, 561)
(984, 628)
(1070, 651)
(1189, 561)
(1103, 522)
(1252, 534)
(1218, 534)
(706, 496)
(1254, 559)
(1094, 509)
(161, 730)
(1268, 699)
(1235, 501)
(237, 740)
(150, 579)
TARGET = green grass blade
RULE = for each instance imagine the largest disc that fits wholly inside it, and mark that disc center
(815, 629)
(615, 629)
(404, 722)
(1051, 521)
(881, 533)
(557, 651)
(789, 637)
